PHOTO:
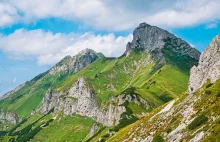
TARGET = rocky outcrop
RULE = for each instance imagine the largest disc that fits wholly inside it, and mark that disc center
(208, 68)
(150, 38)
(75, 63)
(94, 129)
(81, 99)
(9, 116)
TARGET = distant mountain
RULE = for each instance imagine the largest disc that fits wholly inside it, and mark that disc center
(90, 97)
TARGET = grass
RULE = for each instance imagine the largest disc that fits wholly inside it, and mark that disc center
(69, 128)
(158, 139)
(30, 96)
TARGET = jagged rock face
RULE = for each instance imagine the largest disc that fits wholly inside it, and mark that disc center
(47, 104)
(81, 99)
(152, 37)
(208, 68)
(76, 63)
(10, 116)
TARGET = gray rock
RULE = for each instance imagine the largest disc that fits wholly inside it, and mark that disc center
(10, 116)
(208, 68)
(94, 129)
(81, 99)
(151, 37)
(75, 63)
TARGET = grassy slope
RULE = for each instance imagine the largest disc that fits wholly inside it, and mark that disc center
(110, 77)
(29, 97)
(206, 118)
(71, 128)
(45, 128)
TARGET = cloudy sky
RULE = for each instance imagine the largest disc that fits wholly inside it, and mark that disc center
(34, 35)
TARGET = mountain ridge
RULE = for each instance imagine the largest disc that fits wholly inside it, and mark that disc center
(111, 93)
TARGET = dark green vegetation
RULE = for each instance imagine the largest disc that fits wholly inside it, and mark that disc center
(198, 121)
(158, 139)
(49, 128)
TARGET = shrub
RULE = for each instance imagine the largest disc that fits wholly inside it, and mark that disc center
(158, 139)
(198, 121)
(208, 85)
(218, 94)
(168, 130)
(208, 92)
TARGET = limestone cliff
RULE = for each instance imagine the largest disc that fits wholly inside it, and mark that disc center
(9, 116)
(81, 99)
(208, 68)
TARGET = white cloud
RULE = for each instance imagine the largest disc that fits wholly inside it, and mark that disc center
(112, 15)
(50, 48)
(14, 80)
(212, 25)
(8, 14)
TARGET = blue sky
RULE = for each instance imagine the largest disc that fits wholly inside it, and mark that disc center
(34, 35)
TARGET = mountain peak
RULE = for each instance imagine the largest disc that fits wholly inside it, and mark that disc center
(86, 51)
(151, 37)
(75, 63)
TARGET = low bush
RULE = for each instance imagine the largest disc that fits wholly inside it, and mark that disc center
(158, 139)
(168, 130)
(218, 94)
(208, 92)
(198, 121)
(208, 85)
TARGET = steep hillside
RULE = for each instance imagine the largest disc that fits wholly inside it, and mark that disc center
(191, 117)
(106, 94)
(26, 98)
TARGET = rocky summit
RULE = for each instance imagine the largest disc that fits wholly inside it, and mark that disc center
(147, 94)
(151, 38)
(76, 63)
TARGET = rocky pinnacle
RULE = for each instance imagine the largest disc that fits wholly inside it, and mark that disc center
(208, 68)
